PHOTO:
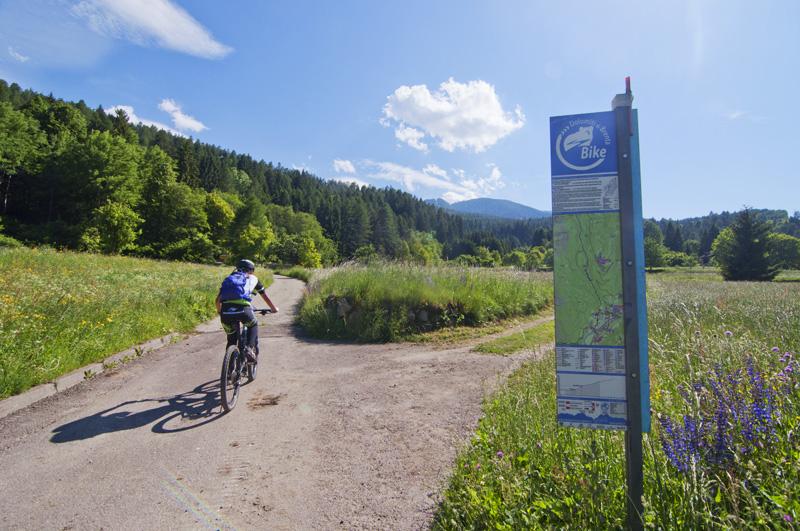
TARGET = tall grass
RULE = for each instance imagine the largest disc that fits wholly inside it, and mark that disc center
(62, 310)
(385, 302)
(724, 451)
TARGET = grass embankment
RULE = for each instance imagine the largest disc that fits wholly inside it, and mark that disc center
(724, 451)
(62, 310)
(389, 302)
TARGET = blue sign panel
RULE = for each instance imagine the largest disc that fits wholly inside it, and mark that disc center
(583, 143)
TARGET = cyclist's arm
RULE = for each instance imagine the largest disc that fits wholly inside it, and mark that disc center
(269, 302)
(263, 292)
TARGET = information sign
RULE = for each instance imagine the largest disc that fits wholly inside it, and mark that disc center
(590, 336)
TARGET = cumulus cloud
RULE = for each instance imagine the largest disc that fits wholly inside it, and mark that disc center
(343, 166)
(17, 56)
(433, 177)
(465, 116)
(179, 119)
(411, 136)
(134, 119)
(151, 21)
(350, 180)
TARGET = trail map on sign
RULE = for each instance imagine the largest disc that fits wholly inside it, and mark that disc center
(588, 279)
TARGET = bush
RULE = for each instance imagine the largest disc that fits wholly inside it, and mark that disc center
(8, 241)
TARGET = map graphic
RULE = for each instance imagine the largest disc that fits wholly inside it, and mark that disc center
(588, 279)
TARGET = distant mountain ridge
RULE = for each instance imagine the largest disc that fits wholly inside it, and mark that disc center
(495, 208)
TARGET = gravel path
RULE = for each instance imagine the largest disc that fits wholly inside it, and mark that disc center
(330, 436)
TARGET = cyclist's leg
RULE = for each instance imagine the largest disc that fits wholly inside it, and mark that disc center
(251, 322)
(230, 318)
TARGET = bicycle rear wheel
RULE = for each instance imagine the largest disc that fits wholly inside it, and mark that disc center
(231, 378)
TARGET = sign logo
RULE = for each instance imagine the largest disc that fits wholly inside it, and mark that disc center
(583, 144)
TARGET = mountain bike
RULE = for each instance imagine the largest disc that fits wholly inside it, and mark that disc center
(239, 361)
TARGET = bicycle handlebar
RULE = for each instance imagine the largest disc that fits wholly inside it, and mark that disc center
(262, 311)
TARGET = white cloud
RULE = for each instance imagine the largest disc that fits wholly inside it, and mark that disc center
(433, 169)
(17, 56)
(179, 119)
(464, 116)
(146, 21)
(350, 180)
(739, 114)
(343, 166)
(436, 178)
(411, 136)
(132, 118)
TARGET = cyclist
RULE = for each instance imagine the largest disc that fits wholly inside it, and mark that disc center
(233, 303)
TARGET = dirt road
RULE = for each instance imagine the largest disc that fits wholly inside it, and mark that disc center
(330, 436)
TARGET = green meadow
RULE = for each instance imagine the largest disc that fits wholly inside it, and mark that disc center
(62, 310)
(723, 453)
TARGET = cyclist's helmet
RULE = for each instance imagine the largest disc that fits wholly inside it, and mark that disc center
(245, 265)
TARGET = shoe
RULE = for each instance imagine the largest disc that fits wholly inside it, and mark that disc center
(251, 358)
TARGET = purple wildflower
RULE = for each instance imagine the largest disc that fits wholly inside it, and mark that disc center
(775, 349)
(788, 518)
(728, 333)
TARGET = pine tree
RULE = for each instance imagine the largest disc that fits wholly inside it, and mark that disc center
(385, 236)
(741, 249)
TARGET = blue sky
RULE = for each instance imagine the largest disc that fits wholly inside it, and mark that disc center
(441, 98)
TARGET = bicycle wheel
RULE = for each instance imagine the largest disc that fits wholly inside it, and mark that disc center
(231, 378)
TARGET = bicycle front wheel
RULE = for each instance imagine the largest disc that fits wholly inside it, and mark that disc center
(231, 378)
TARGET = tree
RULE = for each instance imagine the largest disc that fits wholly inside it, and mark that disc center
(784, 251)
(706, 241)
(385, 237)
(355, 226)
(654, 249)
(673, 238)
(307, 253)
(20, 145)
(424, 248)
(114, 229)
(653, 253)
(741, 249)
(653, 231)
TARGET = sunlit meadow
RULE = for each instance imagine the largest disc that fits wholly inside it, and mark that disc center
(724, 451)
(62, 310)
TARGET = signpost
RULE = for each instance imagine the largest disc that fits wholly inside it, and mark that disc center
(600, 308)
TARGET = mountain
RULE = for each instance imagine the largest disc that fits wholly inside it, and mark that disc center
(496, 208)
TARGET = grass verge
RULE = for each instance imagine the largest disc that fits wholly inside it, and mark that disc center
(61, 310)
(723, 452)
(388, 302)
(300, 273)
(533, 337)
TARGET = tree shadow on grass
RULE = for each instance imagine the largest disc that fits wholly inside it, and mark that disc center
(181, 412)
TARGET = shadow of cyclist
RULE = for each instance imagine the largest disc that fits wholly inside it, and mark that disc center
(178, 413)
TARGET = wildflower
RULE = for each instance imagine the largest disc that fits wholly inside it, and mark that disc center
(728, 333)
(775, 349)
(500, 454)
(788, 518)
(478, 466)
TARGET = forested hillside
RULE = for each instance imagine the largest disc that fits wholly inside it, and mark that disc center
(81, 178)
